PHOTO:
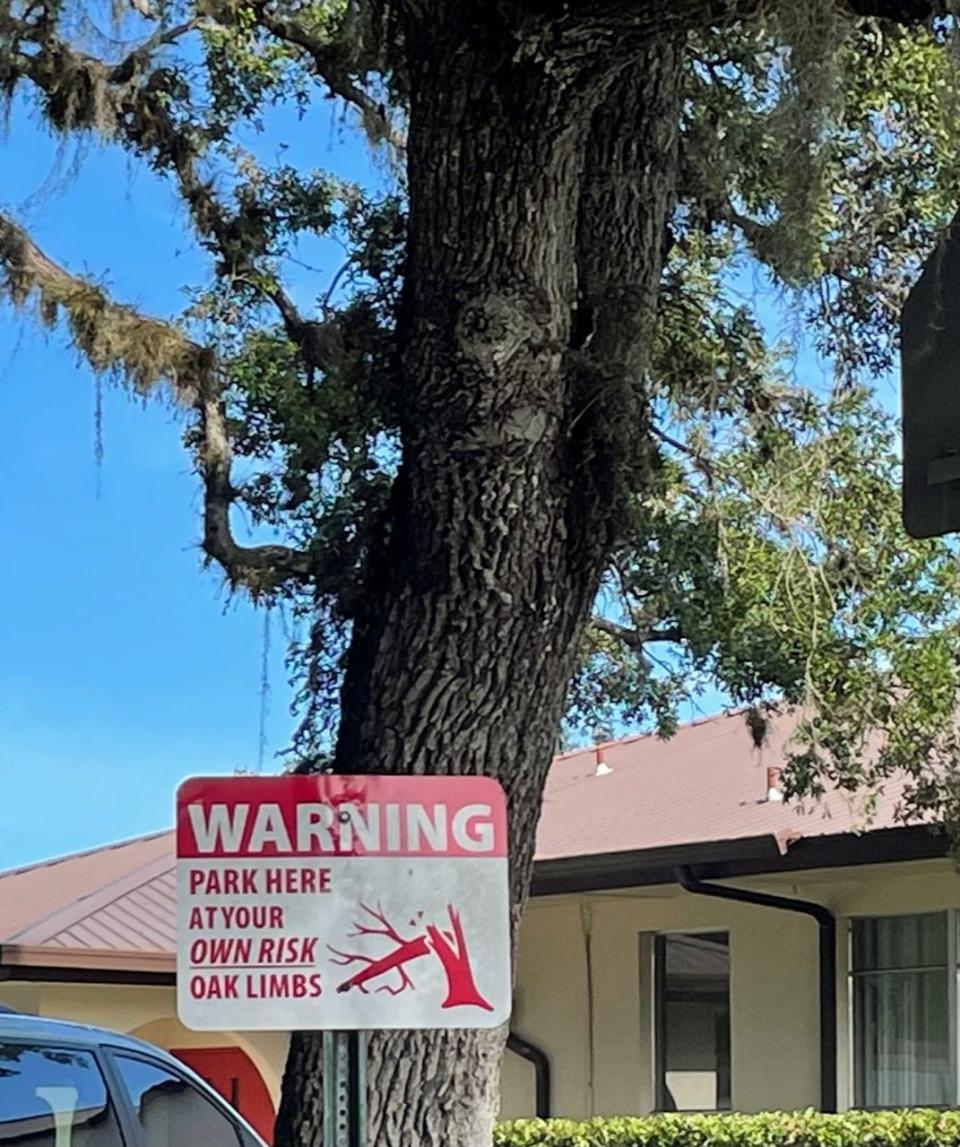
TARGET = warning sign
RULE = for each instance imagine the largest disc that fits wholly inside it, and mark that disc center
(342, 903)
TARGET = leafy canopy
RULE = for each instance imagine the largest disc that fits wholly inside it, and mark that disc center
(818, 159)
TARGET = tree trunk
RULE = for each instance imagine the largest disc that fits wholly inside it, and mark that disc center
(541, 162)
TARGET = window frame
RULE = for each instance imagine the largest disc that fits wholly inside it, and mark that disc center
(96, 1053)
(953, 1003)
(657, 965)
(245, 1136)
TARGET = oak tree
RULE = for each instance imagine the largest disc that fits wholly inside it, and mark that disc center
(534, 453)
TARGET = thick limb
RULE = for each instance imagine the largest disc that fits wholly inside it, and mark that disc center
(148, 353)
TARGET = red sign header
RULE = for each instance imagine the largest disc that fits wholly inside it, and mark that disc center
(324, 815)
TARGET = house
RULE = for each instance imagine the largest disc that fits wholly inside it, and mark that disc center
(692, 943)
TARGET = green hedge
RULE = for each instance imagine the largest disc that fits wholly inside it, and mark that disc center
(802, 1129)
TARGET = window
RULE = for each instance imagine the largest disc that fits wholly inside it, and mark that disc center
(171, 1111)
(692, 1017)
(53, 1097)
(904, 1025)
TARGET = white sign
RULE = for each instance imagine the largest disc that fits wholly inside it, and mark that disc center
(342, 903)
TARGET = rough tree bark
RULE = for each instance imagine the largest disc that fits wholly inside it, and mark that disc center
(541, 160)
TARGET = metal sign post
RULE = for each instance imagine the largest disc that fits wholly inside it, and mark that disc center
(344, 1089)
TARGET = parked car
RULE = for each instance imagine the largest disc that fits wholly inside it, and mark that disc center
(66, 1085)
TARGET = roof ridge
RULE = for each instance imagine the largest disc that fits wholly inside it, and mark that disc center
(694, 723)
(82, 852)
(80, 909)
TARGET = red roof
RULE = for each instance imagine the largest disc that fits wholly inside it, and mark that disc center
(114, 906)
(103, 903)
(707, 783)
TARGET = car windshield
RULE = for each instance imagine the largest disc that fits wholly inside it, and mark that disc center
(53, 1097)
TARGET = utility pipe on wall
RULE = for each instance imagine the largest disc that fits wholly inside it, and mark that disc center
(828, 965)
(541, 1067)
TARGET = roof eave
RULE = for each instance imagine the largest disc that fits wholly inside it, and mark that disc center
(17, 957)
(742, 856)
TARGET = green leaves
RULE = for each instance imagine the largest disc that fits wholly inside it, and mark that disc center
(774, 548)
(831, 151)
(798, 1129)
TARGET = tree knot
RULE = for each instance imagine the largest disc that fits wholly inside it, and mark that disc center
(495, 330)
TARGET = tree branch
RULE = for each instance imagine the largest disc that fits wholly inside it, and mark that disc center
(161, 38)
(699, 461)
(133, 110)
(327, 60)
(145, 353)
(759, 236)
(125, 102)
(636, 638)
(114, 338)
(259, 569)
(293, 321)
(131, 104)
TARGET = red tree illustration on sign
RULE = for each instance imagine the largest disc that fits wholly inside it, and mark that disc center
(448, 945)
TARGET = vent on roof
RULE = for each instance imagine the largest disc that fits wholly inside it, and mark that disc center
(774, 792)
(602, 769)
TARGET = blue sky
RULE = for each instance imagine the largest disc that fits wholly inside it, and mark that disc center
(123, 666)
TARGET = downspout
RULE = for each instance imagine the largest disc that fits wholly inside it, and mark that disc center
(828, 965)
(541, 1066)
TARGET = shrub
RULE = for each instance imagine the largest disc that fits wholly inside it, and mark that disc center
(777, 1129)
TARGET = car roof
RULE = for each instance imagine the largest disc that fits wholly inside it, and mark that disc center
(16, 1025)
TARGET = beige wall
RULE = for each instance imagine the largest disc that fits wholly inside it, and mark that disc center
(586, 956)
(577, 949)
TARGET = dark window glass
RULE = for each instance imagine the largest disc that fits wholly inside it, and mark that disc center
(53, 1097)
(901, 1011)
(693, 1022)
(889, 943)
(171, 1111)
